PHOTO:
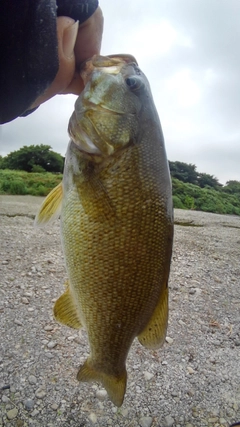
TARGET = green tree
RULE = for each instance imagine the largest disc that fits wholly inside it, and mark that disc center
(28, 158)
(232, 187)
(205, 179)
(184, 172)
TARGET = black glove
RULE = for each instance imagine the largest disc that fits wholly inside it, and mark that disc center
(29, 49)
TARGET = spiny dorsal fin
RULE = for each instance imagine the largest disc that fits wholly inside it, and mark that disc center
(65, 310)
(154, 333)
(50, 208)
(115, 385)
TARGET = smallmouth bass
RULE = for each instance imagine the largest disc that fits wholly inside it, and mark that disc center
(116, 220)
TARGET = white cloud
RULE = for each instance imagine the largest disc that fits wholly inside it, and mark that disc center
(183, 88)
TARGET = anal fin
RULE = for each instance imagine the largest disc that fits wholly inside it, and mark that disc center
(154, 333)
(65, 311)
(114, 385)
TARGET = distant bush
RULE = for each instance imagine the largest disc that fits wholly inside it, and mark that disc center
(208, 199)
(21, 182)
(38, 169)
(185, 195)
(15, 186)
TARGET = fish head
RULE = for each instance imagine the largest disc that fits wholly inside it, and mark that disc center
(107, 112)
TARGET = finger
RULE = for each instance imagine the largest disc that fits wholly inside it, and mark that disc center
(88, 43)
(67, 31)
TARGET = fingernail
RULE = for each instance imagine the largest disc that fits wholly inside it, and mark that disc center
(69, 39)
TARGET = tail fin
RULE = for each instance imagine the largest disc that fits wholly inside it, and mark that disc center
(115, 385)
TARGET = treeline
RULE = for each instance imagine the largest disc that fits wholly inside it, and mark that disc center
(36, 169)
(201, 191)
(33, 158)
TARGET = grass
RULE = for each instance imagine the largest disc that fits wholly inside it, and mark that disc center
(21, 182)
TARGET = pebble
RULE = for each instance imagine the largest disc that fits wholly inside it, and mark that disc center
(29, 404)
(48, 328)
(169, 340)
(5, 399)
(181, 323)
(169, 421)
(52, 344)
(54, 406)
(125, 412)
(148, 375)
(93, 418)
(145, 421)
(40, 393)
(190, 370)
(34, 413)
(12, 413)
(24, 300)
(101, 394)
(18, 322)
(32, 379)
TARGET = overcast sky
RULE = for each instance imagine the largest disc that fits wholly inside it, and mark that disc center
(190, 52)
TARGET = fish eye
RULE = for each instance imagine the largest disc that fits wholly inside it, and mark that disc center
(134, 82)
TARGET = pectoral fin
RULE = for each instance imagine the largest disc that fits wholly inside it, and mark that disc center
(115, 385)
(154, 333)
(50, 208)
(94, 196)
(65, 311)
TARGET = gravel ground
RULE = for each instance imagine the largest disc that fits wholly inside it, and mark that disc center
(194, 380)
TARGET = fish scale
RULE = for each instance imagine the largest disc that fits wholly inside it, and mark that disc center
(116, 223)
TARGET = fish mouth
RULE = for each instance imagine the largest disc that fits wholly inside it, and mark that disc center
(111, 64)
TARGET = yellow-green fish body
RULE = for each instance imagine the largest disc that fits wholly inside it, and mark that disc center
(116, 220)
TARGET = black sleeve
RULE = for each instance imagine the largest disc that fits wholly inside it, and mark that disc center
(28, 48)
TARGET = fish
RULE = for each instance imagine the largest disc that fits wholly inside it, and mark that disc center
(115, 203)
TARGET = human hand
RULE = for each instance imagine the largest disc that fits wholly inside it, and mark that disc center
(76, 43)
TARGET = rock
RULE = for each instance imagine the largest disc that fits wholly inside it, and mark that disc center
(101, 394)
(93, 418)
(169, 340)
(54, 406)
(181, 323)
(213, 420)
(48, 328)
(18, 322)
(34, 413)
(145, 421)
(5, 399)
(52, 344)
(25, 300)
(190, 370)
(32, 379)
(148, 375)
(169, 421)
(124, 412)
(29, 404)
(40, 393)
(12, 413)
